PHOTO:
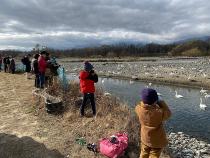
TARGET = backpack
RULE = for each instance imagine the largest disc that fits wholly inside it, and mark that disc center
(114, 146)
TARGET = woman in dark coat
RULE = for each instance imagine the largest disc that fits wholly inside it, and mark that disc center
(26, 61)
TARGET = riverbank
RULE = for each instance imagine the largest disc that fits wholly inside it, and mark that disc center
(28, 131)
(191, 72)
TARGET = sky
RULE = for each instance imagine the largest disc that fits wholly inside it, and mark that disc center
(66, 24)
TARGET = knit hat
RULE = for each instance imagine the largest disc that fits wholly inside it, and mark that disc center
(149, 96)
(88, 66)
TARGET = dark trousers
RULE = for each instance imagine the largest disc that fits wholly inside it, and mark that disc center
(42, 80)
(87, 96)
(5, 67)
(37, 82)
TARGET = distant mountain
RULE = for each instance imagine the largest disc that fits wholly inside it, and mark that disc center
(199, 47)
(203, 38)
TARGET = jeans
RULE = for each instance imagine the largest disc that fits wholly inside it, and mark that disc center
(42, 79)
(92, 101)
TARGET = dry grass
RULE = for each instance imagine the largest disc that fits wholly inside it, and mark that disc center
(112, 117)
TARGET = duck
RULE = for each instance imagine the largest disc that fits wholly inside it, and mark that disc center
(202, 105)
(203, 90)
(178, 95)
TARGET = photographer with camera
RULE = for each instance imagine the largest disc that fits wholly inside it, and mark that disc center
(87, 79)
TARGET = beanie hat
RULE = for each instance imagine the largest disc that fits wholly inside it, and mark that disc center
(88, 66)
(149, 96)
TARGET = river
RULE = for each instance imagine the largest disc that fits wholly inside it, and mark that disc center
(187, 116)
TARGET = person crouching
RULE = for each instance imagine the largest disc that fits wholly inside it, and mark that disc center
(87, 79)
(152, 113)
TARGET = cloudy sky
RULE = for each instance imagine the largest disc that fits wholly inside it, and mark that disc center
(80, 23)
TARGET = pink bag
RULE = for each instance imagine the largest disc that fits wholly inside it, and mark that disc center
(114, 149)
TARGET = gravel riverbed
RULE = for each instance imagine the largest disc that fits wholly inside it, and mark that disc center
(184, 146)
(193, 72)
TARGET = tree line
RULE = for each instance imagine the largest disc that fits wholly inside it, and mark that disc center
(189, 48)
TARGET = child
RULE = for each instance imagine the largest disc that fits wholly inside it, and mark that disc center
(152, 112)
(87, 79)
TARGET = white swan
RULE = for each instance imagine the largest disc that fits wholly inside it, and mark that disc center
(204, 75)
(150, 84)
(203, 90)
(202, 105)
(102, 81)
(159, 94)
(178, 95)
(207, 95)
(107, 94)
(131, 82)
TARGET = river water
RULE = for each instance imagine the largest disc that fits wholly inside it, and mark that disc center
(187, 116)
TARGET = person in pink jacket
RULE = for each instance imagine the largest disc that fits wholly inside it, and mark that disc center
(42, 64)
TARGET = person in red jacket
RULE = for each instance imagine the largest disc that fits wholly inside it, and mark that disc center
(42, 64)
(87, 79)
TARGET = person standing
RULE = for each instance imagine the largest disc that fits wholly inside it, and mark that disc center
(12, 65)
(5, 64)
(87, 79)
(42, 64)
(8, 64)
(27, 62)
(0, 62)
(152, 113)
(48, 73)
(35, 69)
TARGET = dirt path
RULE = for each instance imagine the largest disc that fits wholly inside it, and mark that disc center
(18, 127)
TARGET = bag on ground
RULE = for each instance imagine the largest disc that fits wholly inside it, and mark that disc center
(114, 146)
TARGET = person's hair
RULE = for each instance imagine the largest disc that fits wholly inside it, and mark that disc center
(47, 54)
(36, 56)
(43, 52)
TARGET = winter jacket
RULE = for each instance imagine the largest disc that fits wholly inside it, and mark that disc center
(42, 64)
(86, 83)
(35, 67)
(151, 119)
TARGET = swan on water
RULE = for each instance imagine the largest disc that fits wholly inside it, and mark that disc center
(107, 94)
(159, 94)
(131, 82)
(150, 84)
(202, 105)
(102, 81)
(203, 90)
(207, 95)
(178, 95)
